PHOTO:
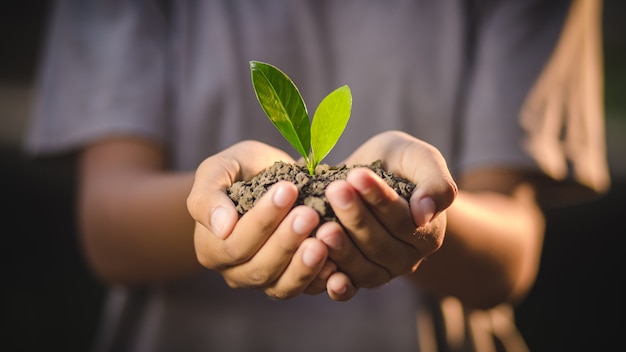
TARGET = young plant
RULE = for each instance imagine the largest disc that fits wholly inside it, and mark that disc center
(282, 103)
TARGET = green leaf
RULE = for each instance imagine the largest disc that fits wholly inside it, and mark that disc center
(283, 105)
(329, 121)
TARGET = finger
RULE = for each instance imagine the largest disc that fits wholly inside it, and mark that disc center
(367, 232)
(423, 208)
(435, 188)
(349, 258)
(387, 206)
(207, 203)
(318, 285)
(415, 160)
(269, 262)
(306, 265)
(340, 288)
(251, 231)
(392, 211)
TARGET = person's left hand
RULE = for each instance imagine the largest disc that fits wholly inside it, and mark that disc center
(382, 236)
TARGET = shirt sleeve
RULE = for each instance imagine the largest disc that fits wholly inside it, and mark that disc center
(536, 88)
(102, 73)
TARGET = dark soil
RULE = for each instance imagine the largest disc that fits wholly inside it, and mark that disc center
(311, 187)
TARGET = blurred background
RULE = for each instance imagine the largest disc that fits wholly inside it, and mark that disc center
(48, 299)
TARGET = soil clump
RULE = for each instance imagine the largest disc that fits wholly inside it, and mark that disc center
(310, 187)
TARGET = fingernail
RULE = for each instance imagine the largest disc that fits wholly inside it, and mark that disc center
(300, 225)
(428, 209)
(311, 257)
(342, 198)
(331, 240)
(281, 197)
(341, 290)
(363, 186)
(219, 219)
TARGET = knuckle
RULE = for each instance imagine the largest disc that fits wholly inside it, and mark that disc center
(193, 202)
(234, 284)
(236, 278)
(451, 192)
(259, 278)
(204, 261)
(428, 239)
(279, 295)
(234, 254)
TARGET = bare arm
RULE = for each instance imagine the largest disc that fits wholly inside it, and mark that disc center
(133, 221)
(493, 241)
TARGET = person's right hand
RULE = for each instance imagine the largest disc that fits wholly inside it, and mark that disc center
(269, 247)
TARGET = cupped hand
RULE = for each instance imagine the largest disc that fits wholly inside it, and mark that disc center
(269, 247)
(382, 236)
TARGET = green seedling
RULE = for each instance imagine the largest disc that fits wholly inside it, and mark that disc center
(282, 103)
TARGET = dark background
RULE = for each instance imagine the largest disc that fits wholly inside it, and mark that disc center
(49, 300)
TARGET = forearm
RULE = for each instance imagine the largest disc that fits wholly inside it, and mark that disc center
(491, 250)
(135, 227)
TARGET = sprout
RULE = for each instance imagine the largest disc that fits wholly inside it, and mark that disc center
(282, 103)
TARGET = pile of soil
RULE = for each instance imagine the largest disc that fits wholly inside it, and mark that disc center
(310, 187)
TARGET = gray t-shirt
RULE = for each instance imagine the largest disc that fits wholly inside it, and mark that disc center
(454, 73)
